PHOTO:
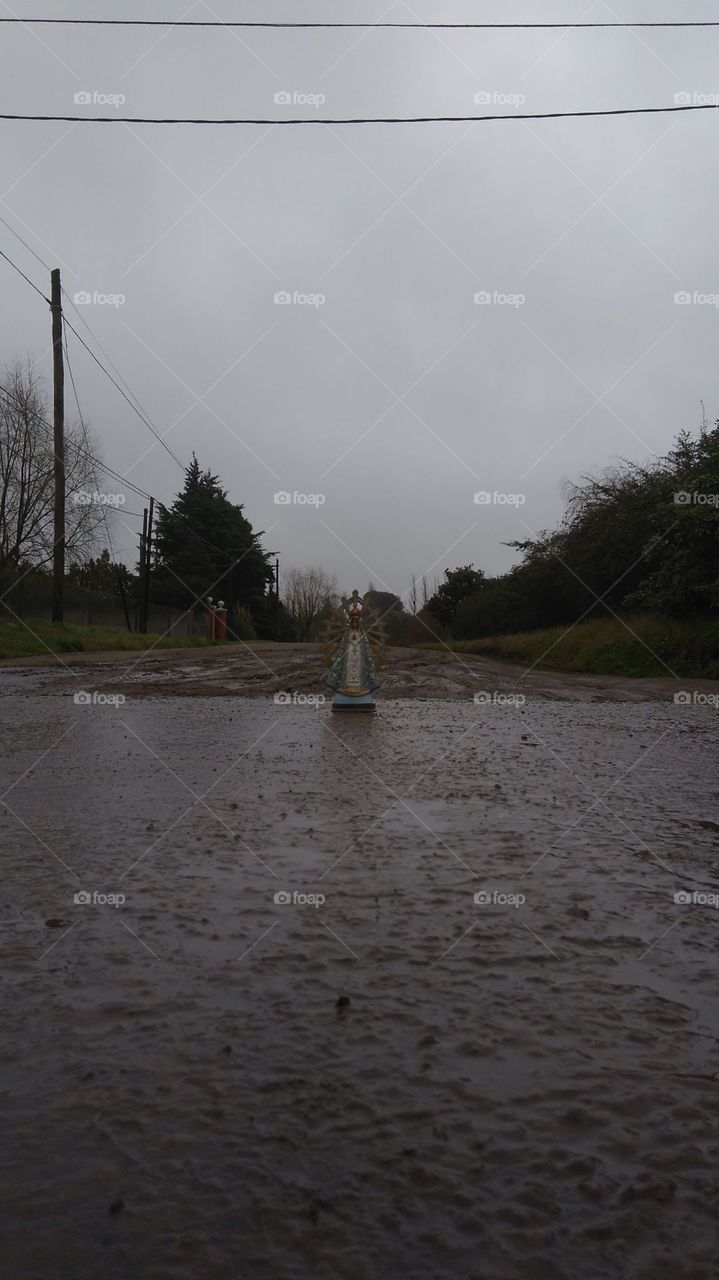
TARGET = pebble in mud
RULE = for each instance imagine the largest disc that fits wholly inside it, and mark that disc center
(316, 1204)
(342, 1003)
(659, 1189)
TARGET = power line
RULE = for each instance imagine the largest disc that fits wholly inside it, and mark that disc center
(537, 115)
(24, 243)
(99, 345)
(124, 395)
(134, 406)
(73, 445)
(85, 452)
(27, 279)
(74, 388)
(77, 311)
(232, 560)
(349, 26)
(103, 510)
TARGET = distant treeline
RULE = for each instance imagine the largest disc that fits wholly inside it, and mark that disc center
(641, 538)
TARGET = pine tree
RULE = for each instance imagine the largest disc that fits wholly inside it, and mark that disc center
(205, 546)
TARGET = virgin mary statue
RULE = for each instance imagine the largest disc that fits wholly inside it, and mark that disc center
(354, 652)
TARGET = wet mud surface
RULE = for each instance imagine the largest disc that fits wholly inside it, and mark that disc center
(254, 671)
(523, 1087)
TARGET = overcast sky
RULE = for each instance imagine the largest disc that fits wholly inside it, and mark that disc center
(398, 397)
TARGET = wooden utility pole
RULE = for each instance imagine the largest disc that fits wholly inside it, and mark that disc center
(277, 598)
(147, 545)
(141, 570)
(58, 556)
(123, 596)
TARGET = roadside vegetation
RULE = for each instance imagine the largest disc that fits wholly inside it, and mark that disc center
(639, 645)
(40, 637)
(638, 542)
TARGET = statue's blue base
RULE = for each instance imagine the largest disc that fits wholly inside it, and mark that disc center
(343, 702)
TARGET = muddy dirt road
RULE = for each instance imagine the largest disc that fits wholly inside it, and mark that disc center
(261, 669)
(520, 1080)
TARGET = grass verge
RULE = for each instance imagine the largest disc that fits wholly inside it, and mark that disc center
(639, 645)
(39, 637)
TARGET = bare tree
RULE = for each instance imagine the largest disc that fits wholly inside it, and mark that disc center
(308, 593)
(26, 478)
(413, 595)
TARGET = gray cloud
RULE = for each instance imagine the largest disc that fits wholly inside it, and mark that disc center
(398, 397)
